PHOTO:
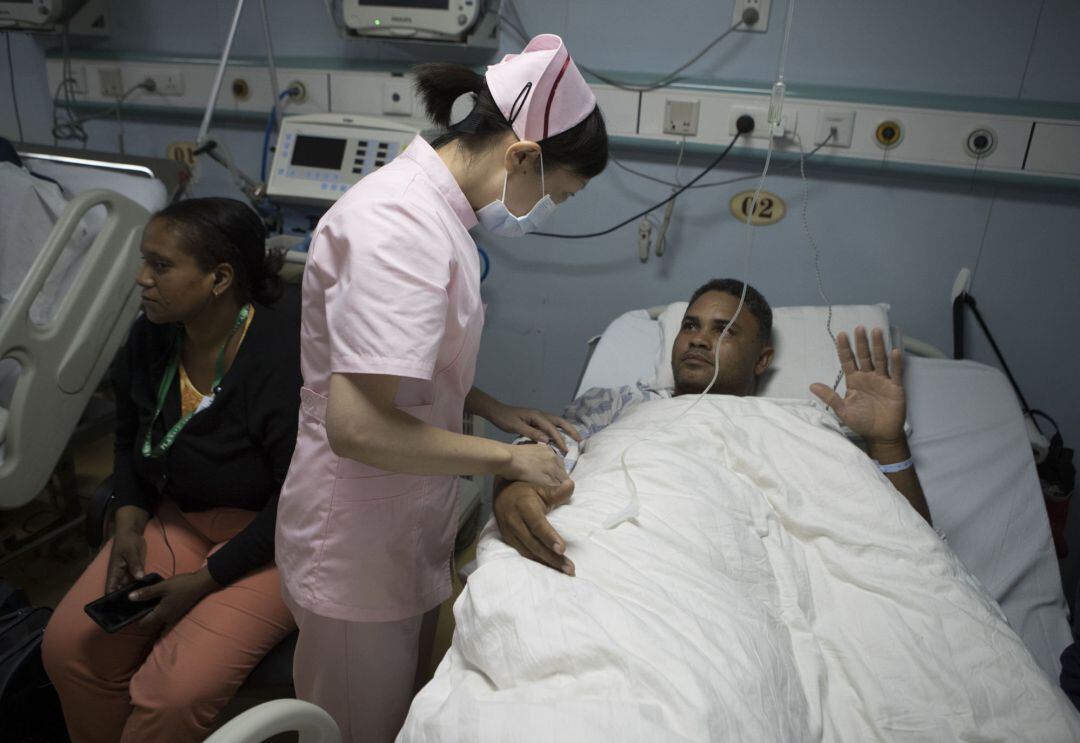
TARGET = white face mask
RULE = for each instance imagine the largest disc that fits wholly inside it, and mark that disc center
(498, 220)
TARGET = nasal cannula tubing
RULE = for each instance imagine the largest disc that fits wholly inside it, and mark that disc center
(776, 103)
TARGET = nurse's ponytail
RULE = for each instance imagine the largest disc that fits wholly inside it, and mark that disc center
(582, 149)
(440, 84)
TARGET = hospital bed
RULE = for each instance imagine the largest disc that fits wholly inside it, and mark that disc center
(973, 456)
(966, 433)
(70, 298)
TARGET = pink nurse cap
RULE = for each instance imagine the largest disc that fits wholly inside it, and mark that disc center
(540, 91)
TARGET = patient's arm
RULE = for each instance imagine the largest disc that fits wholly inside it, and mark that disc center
(521, 510)
(905, 481)
(875, 406)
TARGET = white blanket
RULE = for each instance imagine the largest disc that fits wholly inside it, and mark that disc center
(775, 587)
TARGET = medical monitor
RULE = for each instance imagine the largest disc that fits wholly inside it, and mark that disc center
(319, 156)
(412, 19)
(30, 13)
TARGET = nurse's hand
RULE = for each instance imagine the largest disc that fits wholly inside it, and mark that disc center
(531, 423)
(520, 512)
(534, 463)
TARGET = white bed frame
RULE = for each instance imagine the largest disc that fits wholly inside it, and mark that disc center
(63, 361)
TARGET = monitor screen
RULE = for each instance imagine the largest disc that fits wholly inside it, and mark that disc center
(435, 4)
(318, 152)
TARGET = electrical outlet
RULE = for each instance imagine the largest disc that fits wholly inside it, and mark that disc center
(112, 83)
(681, 117)
(761, 6)
(761, 122)
(840, 120)
(170, 82)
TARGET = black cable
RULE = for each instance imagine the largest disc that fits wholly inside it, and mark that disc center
(729, 181)
(667, 79)
(663, 82)
(674, 195)
(1041, 414)
(970, 302)
(73, 129)
(166, 538)
(14, 94)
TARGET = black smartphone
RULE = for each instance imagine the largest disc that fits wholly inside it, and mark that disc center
(115, 610)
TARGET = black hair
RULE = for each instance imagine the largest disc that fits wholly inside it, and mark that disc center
(754, 302)
(218, 230)
(581, 149)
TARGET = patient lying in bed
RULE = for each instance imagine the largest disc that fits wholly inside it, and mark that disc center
(773, 586)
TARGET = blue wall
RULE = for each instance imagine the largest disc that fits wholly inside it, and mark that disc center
(890, 238)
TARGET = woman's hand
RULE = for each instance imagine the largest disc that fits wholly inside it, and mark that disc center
(535, 463)
(536, 424)
(128, 553)
(874, 405)
(529, 422)
(178, 594)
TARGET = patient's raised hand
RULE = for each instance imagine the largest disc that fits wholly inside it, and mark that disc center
(521, 512)
(874, 405)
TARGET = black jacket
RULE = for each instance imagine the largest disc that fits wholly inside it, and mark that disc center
(234, 454)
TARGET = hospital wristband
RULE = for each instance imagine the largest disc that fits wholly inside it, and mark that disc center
(889, 469)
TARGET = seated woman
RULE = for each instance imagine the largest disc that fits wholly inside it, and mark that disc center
(207, 394)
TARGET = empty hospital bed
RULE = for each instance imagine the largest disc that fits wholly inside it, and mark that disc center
(971, 449)
(67, 294)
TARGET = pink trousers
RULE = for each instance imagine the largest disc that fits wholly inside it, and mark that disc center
(363, 673)
(142, 684)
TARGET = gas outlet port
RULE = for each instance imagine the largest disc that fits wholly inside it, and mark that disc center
(888, 134)
(240, 89)
(980, 142)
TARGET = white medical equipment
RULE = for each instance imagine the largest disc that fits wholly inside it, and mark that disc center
(412, 19)
(318, 156)
(36, 12)
(63, 359)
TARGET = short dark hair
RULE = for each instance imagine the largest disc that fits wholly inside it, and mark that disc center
(582, 149)
(754, 302)
(217, 230)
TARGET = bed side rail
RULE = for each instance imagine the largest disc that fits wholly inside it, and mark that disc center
(63, 360)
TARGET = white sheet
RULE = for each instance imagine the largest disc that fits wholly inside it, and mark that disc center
(975, 465)
(775, 588)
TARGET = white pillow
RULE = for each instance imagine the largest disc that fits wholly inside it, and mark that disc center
(626, 352)
(804, 352)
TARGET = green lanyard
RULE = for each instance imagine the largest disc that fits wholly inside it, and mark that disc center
(155, 452)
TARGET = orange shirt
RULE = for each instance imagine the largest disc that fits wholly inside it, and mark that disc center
(190, 397)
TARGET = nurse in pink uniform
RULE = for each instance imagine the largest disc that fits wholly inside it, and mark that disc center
(392, 317)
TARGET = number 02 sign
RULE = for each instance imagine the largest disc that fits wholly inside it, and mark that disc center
(770, 208)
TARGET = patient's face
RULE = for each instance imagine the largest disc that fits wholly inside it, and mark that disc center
(174, 287)
(743, 357)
